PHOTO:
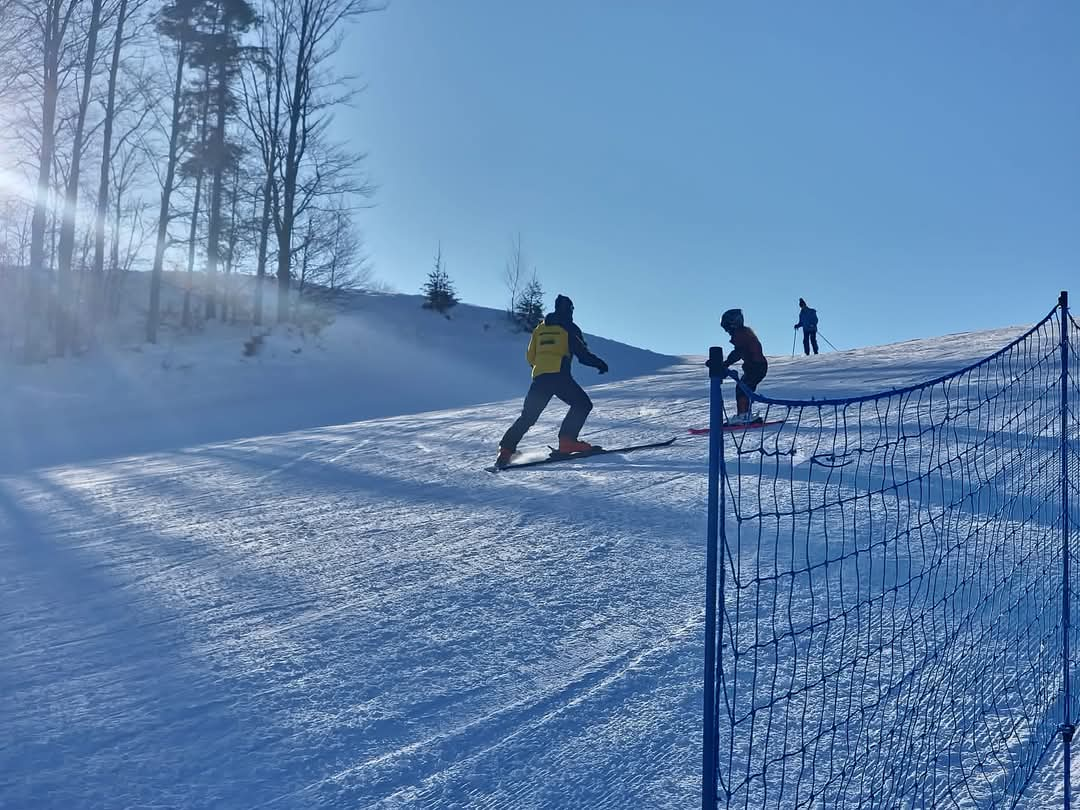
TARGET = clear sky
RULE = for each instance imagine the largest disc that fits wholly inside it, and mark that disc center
(910, 168)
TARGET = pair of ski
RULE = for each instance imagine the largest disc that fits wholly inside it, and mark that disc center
(556, 456)
(596, 451)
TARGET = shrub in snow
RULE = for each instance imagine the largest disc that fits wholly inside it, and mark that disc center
(312, 316)
(252, 345)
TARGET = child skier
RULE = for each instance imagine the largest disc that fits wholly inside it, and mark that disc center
(808, 323)
(748, 351)
(554, 344)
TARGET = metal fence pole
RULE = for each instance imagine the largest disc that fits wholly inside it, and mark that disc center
(1067, 727)
(714, 575)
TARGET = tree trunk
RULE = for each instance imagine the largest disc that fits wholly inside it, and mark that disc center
(213, 248)
(292, 159)
(272, 154)
(264, 239)
(285, 254)
(114, 247)
(166, 196)
(304, 260)
(36, 312)
(230, 256)
(66, 307)
(97, 310)
(194, 232)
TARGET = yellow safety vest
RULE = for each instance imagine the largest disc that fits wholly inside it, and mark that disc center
(549, 346)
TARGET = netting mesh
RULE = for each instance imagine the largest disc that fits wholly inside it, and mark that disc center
(891, 627)
(1072, 435)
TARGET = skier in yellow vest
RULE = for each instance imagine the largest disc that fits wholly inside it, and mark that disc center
(554, 344)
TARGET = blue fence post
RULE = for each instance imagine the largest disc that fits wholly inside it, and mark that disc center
(1067, 727)
(714, 575)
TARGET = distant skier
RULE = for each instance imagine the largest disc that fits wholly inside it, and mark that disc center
(808, 323)
(554, 344)
(747, 351)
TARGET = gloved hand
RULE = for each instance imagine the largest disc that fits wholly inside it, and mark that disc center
(602, 368)
(796, 326)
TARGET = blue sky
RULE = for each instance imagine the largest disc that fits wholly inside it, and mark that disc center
(910, 168)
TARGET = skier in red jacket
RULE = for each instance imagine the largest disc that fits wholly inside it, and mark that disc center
(748, 351)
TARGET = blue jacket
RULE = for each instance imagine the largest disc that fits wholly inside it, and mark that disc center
(808, 318)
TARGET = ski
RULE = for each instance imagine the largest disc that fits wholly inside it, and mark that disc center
(737, 426)
(556, 456)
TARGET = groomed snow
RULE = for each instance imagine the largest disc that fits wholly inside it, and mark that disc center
(285, 581)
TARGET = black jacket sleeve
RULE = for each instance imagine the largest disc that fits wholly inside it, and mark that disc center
(580, 348)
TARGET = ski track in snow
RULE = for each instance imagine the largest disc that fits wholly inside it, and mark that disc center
(336, 618)
(360, 616)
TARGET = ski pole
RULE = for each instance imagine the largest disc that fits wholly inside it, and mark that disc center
(794, 339)
(828, 341)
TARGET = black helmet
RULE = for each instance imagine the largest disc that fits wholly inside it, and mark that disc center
(564, 305)
(732, 319)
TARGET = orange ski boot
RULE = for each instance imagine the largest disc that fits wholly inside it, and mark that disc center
(568, 446)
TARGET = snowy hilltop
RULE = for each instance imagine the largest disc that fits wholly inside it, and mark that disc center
(359, 356)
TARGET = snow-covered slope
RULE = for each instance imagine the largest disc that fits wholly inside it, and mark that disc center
(356, 615)
(380, 355)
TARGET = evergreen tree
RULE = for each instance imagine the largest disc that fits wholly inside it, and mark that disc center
(175, 22)
(439, 289)
(217, 29)
(529, 310)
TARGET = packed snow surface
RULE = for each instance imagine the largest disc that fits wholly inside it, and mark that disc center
(286, 581)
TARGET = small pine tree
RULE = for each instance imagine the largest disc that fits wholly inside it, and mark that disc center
(529, 310)
(438, 291)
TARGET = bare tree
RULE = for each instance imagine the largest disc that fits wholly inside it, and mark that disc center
(331, 252)
(175, 23)
(48, 30)
(14, 30)
(14, 253)
(76, 73)
(124, 10)
(130, 159)
(233, 229)
(512, 272)
(15, 238)
(65, 303)
(263, 88)
(315, 35)
(16, 213)
(346, 266)
(196, 168)
(106, 145)
(304, 250)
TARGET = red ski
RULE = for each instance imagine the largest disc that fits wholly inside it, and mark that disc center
(737, 426)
